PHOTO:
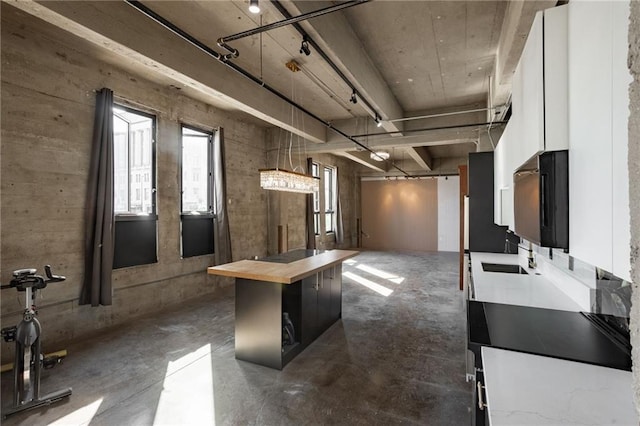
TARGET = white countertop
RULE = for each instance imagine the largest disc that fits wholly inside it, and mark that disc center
(523, 389)
(516, 289)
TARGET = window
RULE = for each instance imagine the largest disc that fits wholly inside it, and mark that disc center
(329, 201)
(196, 186)
(315, 171)
(134, 197)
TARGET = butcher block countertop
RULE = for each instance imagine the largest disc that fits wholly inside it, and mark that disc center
(286, 273)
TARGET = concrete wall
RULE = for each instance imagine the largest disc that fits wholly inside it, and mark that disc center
(48, 82)
(634, 189)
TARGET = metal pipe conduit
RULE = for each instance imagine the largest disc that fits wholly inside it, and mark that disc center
(324, 56)
(426, 129)
(222, 59)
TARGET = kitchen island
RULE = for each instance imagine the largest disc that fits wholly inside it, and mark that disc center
(284, 302)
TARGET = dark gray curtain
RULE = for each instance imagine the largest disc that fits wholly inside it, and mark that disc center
(221, 233)
(100, 222)
(339, 224)
(311, 232)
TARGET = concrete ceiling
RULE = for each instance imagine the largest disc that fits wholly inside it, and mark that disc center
(405, 59)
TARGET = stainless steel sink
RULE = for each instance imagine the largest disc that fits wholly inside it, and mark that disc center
(503, 268)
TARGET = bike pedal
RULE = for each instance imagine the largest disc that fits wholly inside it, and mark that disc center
(9, 334)
(51, 361)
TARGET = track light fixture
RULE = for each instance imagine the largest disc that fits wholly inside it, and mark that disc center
(354, 97)
(304, 47)
(378, 121)
(254, 7)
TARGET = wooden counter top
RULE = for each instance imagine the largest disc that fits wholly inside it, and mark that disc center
(286, 273)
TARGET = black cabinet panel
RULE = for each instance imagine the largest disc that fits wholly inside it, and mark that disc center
(484, 234)
(309, 296)
(336, 292)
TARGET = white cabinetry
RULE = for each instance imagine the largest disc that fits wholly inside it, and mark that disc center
(539, 106)
(504, 167)
(598, 115)
(539, 92)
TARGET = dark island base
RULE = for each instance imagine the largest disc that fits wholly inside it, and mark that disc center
(313, 305)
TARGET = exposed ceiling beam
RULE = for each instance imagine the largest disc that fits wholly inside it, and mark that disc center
(364, 158)
(421, 156)
(517, 22)
(336, 37)
(434, 138)
(116, 27)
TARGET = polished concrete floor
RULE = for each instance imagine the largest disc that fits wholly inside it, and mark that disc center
(396, 357)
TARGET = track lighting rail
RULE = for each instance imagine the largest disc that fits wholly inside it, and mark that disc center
(234, 53)
(326, 58)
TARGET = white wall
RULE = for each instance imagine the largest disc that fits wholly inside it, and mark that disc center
(449, 213)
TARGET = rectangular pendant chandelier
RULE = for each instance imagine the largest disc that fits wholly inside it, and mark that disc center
(284, 180)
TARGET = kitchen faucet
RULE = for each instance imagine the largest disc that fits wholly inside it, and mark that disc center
(531, 260)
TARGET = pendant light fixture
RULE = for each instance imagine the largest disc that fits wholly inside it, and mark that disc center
(254, 6)
(284, 180)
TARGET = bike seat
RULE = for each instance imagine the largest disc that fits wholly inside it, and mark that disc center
(19, 273)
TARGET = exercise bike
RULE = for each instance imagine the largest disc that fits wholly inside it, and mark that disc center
(26, 335)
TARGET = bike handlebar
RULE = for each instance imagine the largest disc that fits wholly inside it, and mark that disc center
(24, 278)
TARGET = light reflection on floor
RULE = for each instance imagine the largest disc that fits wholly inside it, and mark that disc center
(368, 283)
(82, 416)
(396, 279)
(187, 395)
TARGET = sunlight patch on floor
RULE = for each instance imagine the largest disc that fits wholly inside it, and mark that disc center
(350, 262)
(381, 274)
(82, 416)
(368, 283)
(187, 394)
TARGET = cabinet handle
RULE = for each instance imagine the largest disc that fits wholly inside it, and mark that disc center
(481, 404)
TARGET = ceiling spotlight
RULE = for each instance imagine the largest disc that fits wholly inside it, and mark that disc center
(304, 48)
(354, 97)
(254, 7)
(379, 155)
(378, 121)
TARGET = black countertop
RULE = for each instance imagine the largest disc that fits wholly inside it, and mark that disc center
(548, 332)
(291, 256)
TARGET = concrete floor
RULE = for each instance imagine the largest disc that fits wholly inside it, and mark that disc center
(395, 359)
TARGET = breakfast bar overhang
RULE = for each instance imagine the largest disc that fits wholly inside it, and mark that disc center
(284, 302)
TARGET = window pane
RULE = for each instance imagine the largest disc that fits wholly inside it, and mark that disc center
(195, 171)
(328, 222)
(133, 161)
(120, 165)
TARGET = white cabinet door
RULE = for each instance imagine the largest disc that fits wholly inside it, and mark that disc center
(621, 79)
(498, 173)
(556, 89)
(598, 115)
(531, 68)
(504, 167)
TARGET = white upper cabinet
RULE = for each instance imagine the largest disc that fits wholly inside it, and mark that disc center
(598, 116)
(539, 91)
(503, 178)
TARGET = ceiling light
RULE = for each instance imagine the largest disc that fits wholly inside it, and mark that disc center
(254, 7)
(304, 48)
(380, 155)
(378, 121)
(354, 97)
(284, 180)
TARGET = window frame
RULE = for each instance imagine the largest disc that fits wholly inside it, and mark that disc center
(196, 226)
(329, 205)
(154, 126)
(136, 234)
(315, 171)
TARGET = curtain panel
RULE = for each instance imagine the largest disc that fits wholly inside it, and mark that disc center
(221, 232)
(100, 222)
(339, 225)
